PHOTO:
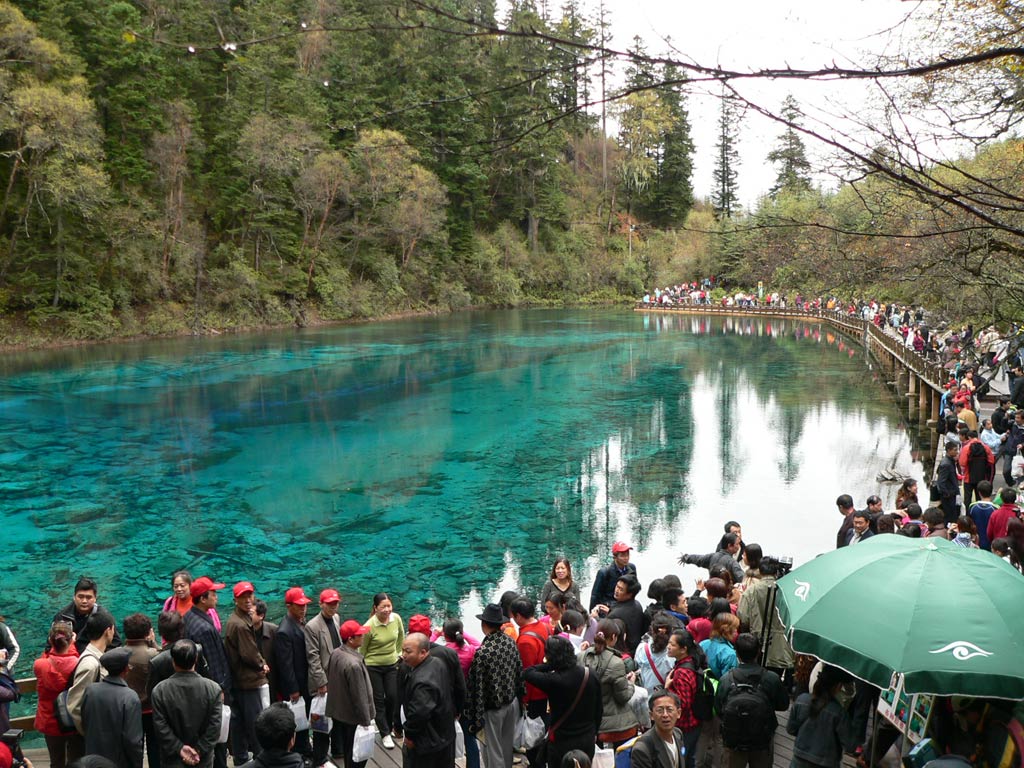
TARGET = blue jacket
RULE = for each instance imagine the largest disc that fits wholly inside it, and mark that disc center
(721, 655)
(820, 740)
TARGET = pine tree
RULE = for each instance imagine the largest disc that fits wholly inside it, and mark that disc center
(790, 155)
(673, 193)
(725, 196)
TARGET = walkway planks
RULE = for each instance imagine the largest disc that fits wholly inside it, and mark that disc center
(392, 758)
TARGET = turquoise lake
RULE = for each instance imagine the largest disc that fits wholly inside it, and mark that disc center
(441, 460)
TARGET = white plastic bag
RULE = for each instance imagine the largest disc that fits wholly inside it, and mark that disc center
(298, 709)
(318, 719)
(264, 696)
(363, 743)
(603, 758)
(318, 705)
(638, 703)
(225, 724)
(460, 741)
(529, 732)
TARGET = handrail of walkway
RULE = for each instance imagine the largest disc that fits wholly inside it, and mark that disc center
(26, 722)
(932, 374)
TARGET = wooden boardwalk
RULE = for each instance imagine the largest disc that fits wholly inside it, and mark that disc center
(392, 758)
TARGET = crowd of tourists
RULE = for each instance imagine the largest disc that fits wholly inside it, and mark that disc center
(934, 339)
(693, 677)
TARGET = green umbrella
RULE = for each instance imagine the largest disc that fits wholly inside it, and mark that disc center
(950, 620)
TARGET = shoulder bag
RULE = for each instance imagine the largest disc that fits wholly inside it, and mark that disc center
(572, 708)
(61, 710)
(654, 667)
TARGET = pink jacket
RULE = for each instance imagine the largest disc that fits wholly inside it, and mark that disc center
(465, 652)
(171, 604)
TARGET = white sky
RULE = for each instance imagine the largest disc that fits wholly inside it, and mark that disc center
(756, 34)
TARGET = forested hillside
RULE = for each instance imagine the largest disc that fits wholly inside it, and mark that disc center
(175, 165)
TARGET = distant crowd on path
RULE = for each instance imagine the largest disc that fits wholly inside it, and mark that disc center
(955, 348)
(685, 680)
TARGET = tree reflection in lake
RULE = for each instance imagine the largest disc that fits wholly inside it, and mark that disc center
(435, 458)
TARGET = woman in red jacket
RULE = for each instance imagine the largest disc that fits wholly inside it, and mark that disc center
(52, 671)
(682, 681)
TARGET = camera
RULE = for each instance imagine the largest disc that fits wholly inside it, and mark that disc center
(12, 738)
(779, 566)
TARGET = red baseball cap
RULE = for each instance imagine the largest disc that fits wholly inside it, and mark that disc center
(620, 546)
(419, 623)
(202, 585)
(243, 588)
(351, 628)
(295, 596)
(330, 596)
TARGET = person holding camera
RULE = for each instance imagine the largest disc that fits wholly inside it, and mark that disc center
(11, 755)
(757, 601)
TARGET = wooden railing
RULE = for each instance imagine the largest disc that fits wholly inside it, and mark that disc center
(931, 374)
(25, 722)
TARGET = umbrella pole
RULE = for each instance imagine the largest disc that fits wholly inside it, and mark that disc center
(766, 623)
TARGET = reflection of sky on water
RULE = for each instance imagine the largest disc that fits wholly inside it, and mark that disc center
(441, 459)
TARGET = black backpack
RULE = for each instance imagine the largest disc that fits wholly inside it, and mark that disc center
(977, 462)
(703, 704)
(747, 716)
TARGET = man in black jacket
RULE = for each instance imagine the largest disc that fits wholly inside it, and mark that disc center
(429, 710)
(627, 610)
(725, 557)
(948, 484)
(172, 629)
(999, 421)
(187, 712)
(603, 591)
(844, 503)
(275, 731)
(80, 609)
(112, 714)
(1017, 385)
(420, 623)
(1012, 439)
(290, 665)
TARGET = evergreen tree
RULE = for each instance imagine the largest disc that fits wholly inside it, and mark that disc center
(725, 196)
(673, 193)
(643, 121)
(790, 155)
(572, 74)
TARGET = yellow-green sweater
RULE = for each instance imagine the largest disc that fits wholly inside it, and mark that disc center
(383, 643)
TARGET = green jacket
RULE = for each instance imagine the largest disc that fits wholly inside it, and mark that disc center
(616, 690)
(383, 643)
(751, 615)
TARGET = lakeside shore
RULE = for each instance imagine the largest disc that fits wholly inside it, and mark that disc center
(40, 342)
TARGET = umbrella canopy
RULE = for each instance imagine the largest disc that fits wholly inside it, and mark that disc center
(948, 619)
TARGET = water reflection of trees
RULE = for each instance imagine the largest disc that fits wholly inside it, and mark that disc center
(595, 437)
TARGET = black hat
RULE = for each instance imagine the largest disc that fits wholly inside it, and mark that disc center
(115, 661)
(492, 615)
